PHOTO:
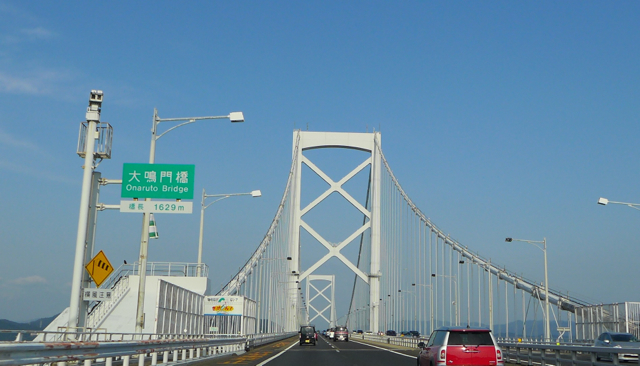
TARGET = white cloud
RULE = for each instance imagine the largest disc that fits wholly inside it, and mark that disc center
(12, 84)
(12, 141)
(37, 33)
(39, 82)
(27, 35)
(31, 280)
(16, 13)
(34, 172)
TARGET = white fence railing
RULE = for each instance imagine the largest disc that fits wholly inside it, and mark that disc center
(529, 354)
(411, 342)
(101, 347)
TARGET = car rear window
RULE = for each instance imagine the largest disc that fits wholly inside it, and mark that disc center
(470, 338)
(624, 338)
(341, 329)
(306, 330)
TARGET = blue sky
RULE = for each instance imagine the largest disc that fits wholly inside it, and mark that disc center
(499, 119)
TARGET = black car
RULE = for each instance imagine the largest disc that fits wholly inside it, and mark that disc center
(308, 335)
(391, 333)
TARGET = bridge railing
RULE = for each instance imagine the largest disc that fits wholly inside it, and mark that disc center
(104, 348)
(411, 342)
(529, 354)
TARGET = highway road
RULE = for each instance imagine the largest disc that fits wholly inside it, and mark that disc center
(325, 353)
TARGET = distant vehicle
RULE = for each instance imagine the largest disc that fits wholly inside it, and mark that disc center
(308, 335)
(405, 333)
(617, 340)
(359, 331)
(368, 332)
(458, 346)
(331, 332)
(391, 333)
(341, 334)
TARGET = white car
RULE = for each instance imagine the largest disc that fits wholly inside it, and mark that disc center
(331, 333)
(617, 340)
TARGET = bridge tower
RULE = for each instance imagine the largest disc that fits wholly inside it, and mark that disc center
(320, 293)
(306, 140)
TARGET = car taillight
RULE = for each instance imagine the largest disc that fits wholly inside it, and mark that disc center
(498, 354)
(443, 354)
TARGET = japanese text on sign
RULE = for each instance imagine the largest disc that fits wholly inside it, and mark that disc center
(156, 207)
(96, 294)
(171, 181)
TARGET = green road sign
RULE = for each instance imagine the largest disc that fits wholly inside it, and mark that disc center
(171, 181)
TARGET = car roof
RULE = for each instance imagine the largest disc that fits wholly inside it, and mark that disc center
(465, 329)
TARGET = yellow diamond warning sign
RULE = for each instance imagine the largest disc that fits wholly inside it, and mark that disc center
(99, 268)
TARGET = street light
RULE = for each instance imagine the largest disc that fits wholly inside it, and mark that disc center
(604, 202)
(415, 307)
(255, 193)
(547, 327)
(144, 240)
(454, 279)
(430, 304)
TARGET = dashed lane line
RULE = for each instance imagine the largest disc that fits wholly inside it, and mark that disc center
(384, 349)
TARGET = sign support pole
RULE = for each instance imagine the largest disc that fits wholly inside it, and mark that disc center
(90, 246)
(144, 240)
(92, 117)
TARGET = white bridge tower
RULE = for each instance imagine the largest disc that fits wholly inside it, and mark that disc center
(368, 142)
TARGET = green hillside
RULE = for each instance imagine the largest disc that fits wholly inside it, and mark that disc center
(38, 324)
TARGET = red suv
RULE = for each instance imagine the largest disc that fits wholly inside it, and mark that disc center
(341, 334)
(457, 346)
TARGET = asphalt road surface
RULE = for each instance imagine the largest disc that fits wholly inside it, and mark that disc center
(326, 353)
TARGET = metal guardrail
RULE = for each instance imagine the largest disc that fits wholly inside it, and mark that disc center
(411, 342)
(100, 335)
(529, 353)
(181, 348)
(256, 340)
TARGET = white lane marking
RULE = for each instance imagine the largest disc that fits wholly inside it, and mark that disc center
(330, 345)
(278, 355)
(384, 349)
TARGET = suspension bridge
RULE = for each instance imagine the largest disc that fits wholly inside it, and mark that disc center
(405, 274)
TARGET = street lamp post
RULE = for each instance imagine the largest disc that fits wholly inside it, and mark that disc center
(604, 202)
(455, 282)
(430, 304)
(547, 327)
(144, 240)
(415, 307)
(255, 193)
